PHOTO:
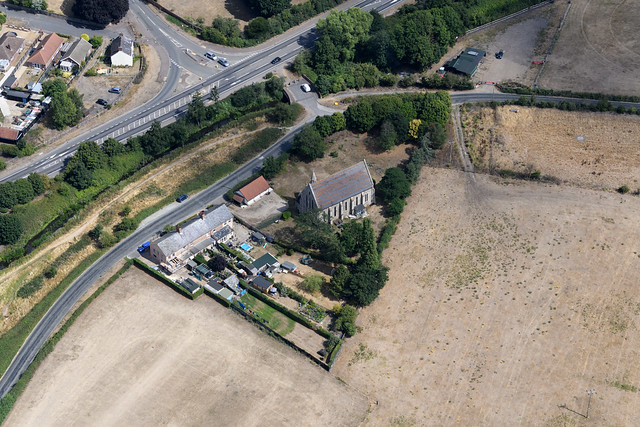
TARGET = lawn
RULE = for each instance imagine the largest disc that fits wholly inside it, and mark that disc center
(274, 319)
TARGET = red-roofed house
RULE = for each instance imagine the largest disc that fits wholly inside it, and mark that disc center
(343, 194)
(8, 134)
(252, 192)
(44, 54)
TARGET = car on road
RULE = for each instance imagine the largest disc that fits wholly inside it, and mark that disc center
(500, 54)
(182, 198)
(115, 90)
(212, 56)
(276, 60)
(223, 62)
(143, 247)
(102, 102)
(305, 88)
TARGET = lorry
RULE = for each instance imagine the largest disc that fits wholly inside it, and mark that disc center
(143, 247)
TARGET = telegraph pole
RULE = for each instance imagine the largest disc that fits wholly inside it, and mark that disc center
(590, 393)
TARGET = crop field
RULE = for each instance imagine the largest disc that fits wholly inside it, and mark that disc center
(598, 49)
(143, 355)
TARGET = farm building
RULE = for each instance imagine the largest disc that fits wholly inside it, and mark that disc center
(122, 51)
(262, 284)
(10, 46)
(467, 62)
(266, 260)
(252, 192)
(44, 54)
(173, 249)
(75, 55)
(340, 195)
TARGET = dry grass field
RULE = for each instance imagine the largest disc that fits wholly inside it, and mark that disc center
(598, 49)
(506, 299)
(144, 355)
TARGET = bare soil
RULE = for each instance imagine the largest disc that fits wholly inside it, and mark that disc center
(123, 362)
(598, 49)
(506, 299)
(593, 150)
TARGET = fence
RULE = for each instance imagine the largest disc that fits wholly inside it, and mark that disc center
(506, 18)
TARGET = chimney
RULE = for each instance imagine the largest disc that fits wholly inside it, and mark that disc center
(202, 214)
(178, 228)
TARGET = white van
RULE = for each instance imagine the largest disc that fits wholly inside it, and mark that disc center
(305, 88)
(212, 56)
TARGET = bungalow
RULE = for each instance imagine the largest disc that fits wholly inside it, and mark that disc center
(122, 51)
(262, 284)
(75, 56)
(252, 192)
(265, 261)
(44, 54)
(10, 46)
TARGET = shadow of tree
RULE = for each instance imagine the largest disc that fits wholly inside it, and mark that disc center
(239, 9)
(67, 7)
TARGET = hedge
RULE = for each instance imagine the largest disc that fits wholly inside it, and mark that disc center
(517, 88)
(164, 279)
(334, 353)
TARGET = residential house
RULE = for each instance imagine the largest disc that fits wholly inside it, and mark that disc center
(43, 56)
(10, 46)
(266, 260)
(176, 247)
(340, 195)
(75, 56)
(9, 134)
(262, 284)
(252, 192)
(248, 268)
(122, 51)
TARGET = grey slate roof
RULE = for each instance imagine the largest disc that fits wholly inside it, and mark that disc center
(78, 51)
(342, 185)
(222, 233)
(193, 230)
(261, 283)
(288, 266)
(232, 280)
(249, 268)
(9, 44)
(214, 286)
(122, 43)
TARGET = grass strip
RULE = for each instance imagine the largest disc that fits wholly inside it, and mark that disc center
(7, 402)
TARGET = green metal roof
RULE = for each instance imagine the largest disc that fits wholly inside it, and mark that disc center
(468, 61)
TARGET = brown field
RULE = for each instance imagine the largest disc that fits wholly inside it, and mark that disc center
(598, 49)
(144, 355)
(594, 150)
(506, 299)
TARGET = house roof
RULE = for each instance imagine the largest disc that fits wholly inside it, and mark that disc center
(47, 49)
(468, 61)
(222, 233)
(262, 283)
(8, 134)
(232, 280)
(288, 265)
(214, 286)
(249, 268)
(264, 260)
(254, 188)
(196, 249)
(122, 43)
(226, 294)
(10, 43)
(342, 185)
(78, 52)
(193, 230)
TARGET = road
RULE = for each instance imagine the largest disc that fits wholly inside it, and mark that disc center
(174, 213)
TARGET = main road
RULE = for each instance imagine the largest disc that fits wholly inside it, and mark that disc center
(134, 123)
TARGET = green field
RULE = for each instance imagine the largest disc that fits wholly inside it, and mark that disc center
(277, 321)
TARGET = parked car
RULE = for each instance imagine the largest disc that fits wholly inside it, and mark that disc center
(223, 62)
(21, 105)
(500, 54)
(212, 56)
(115, 90)
(182, 198)
(102, 102)
(305, 88)
(276, 60)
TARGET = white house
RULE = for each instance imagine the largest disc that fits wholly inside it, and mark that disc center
(122, 51)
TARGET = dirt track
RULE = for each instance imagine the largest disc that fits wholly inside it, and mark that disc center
(144, 355)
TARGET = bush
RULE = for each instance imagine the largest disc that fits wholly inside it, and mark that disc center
(407, 81)
(286, 215)
(623, 190)
(10, 229)
(51, 272)
(312, 284)
(31, 287)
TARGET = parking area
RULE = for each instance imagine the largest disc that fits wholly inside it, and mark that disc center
(268, 209)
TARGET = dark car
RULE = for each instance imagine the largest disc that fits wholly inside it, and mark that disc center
(500, 54)
(102, 102)
(276, 60)
(182, 198)
(115, 90)
(21, 105)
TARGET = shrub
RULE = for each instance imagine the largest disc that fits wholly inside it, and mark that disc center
(286, 215)
(31, 287)
(407, 81)
(10, 229)
(312, 284)
(623, 190)
(51, 272)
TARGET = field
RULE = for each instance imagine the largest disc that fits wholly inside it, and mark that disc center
(598, 49)
(506, 300)
(144, 355)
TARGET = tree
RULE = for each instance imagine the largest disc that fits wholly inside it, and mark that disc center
(437, 135)
(400, 124)
(10, 229)
(393, 184)
(217, 263)
(338, 122)
(323, 125)
(316, 233)
(275, 87)
(338, 280)
(308, 144)
(360, 117)
(364, 284)
(53, 87)
(388, 136)
(214, 95)
(24, 191)
(368, 248)
(112, 148)
(8, 198)
(96, 41)
(282, 114)
(196, 111)
(84, 37)
(350, 237)
(95, 232)
(37, 183)
(257, 28)
(90, 153)
(270, 7)
(63, 111)
(77, 174)
(346, 320)
(396, 206)
(228, 27)
(271, 166)
(346, 29)
(101, 12)
(312, 284)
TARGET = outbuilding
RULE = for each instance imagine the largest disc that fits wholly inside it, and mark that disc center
(252, 192)
(467, 62)
(262, 284)
(265, 261)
